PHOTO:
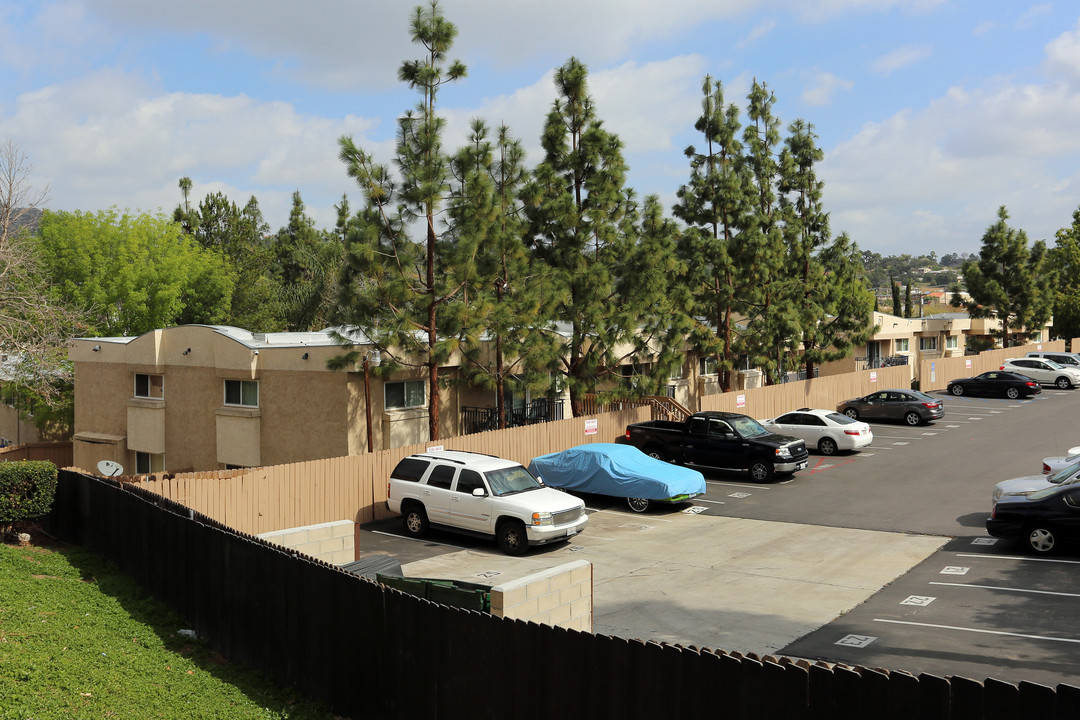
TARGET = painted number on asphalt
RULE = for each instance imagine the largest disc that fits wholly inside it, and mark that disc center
(858, 641)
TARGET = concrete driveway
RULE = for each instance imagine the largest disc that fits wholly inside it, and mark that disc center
(695, 579)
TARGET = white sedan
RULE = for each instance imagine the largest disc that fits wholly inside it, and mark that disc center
(826, 430)
(1057, 462)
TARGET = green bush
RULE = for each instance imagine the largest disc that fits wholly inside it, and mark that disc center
(27, 490)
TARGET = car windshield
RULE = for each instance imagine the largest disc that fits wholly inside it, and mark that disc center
(840, 419)
(1045, 493)
(1065, 475)
(748, 427)
(507, 481)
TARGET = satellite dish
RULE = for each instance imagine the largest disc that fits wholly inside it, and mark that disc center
(108, 468)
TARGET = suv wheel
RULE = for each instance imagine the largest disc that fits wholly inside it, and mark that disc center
(415, 521)
(1063, 382)
(512, 538)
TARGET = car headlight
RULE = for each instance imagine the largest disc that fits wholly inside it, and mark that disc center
(783, 452)
(542, 518)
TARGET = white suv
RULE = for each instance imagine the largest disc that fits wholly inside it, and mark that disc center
(481, 495)
(1045, 372)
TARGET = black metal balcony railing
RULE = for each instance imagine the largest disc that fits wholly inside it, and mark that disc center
(480, 419)
(862, 363)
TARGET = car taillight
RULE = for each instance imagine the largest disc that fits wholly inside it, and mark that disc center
(853, 432)
(930, 405)
(993, 511)
(627, 433)
(1046, 469)
(1030, 384)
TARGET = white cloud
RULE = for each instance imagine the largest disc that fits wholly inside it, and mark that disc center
(900, 58)
(822, 86)
(760, 30)
(1026, 20)
(939, 174)
(109, 138)
(1063, 53)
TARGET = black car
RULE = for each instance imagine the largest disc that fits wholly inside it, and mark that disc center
(1042, 520)
(994, 383)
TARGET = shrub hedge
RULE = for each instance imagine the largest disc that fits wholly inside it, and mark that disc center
(27, 489)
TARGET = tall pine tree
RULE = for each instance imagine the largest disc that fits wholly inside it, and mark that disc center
(581, 223)
(714, 205)
(393, 288)
(1009, 282)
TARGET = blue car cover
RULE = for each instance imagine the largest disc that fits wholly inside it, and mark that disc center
(616, 470)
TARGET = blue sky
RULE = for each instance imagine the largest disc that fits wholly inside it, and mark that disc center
(931, 113)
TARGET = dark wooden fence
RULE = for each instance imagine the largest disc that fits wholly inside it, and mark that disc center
(371, 651)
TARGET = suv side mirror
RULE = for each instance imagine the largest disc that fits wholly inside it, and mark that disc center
(479, 492)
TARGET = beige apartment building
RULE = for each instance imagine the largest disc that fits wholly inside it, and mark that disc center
(200, 397)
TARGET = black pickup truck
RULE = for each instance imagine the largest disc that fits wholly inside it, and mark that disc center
(722, 440)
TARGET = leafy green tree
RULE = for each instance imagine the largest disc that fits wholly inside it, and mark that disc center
(394, 289)
(305, 266)
(714, 204)
(1065, 257)
(1010, 282)
(582, 225)
(131, 273)
(832, 299)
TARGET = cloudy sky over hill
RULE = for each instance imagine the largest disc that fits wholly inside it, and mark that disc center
(932, 113)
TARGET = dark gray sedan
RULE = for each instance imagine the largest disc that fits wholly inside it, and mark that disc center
(910, 406)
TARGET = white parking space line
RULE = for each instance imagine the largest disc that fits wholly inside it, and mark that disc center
(727, 484)
(635, 515)
(1023, 558)
(897, 437)
(423, 540)
(714, 502)
(1008, 589)
(977, 630)
(878, 447)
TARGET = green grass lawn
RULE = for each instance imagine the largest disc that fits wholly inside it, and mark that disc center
(78, 639)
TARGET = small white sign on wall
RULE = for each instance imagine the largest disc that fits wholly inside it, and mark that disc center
(967, 363)
(436, 448)
(590, 426)
(933, 371)
(1039, 346)
(740, 401)
(873, 376)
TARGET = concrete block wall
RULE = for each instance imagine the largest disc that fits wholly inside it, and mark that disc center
(331, 542)
(560, 596)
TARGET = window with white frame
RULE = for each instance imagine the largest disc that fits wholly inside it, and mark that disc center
(902, 345)
(928, 343)
(149, 386)
(707, 366)
(147, 463)
(404, 394)
(951, 342)
(242, 392)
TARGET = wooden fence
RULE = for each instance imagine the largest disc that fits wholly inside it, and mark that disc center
(373, 652)
(821, 392)
(354, 487)
(58, 453)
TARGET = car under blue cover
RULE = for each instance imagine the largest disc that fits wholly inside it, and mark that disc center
(620, 471)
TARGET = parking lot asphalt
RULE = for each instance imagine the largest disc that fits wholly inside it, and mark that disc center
(877, 558)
